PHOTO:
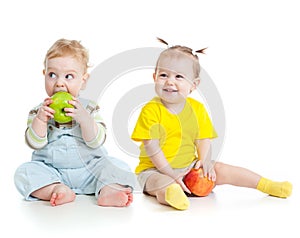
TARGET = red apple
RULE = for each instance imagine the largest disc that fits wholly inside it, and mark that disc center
(197, 184)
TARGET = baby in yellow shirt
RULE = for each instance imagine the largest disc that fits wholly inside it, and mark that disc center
(176, 132)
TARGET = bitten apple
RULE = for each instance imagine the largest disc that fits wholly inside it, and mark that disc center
(60, 102)
(197, 184)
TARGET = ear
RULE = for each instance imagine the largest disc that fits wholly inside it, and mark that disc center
(154, 76)
(85, 78)
(44, 71)
(196, 82)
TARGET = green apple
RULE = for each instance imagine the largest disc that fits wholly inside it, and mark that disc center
(60, 102)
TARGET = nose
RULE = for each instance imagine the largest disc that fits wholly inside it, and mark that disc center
(60, 83)
(170, 80)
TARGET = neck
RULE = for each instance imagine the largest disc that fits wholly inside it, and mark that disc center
(174, 108)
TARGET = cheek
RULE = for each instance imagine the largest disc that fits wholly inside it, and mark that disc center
(186, 88)
(158, 86)
(49, 90)
(48, 84)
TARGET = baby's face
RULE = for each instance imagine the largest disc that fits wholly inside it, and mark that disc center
(174, 78)
(64, 74)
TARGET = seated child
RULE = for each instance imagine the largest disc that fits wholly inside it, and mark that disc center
(69, 158)
(173, 128)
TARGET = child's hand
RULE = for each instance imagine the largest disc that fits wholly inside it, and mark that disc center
(208, 169)
(45, 112)
(88, 126)
(211, 175)
(179, 180)
(78, 113)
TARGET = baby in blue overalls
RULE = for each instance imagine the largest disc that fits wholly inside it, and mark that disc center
(69, 159)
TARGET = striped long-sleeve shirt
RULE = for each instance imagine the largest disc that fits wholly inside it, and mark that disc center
(37, 142)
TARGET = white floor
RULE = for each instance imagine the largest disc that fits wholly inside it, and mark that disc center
(227, 212)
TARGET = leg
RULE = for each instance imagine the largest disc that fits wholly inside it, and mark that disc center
(36, 180)
(115, 195)
(114, 182)
(238, 176)
(56, 193)
(166, 191)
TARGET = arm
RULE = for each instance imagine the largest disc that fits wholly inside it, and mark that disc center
(203, 147)
(92, 127)
(159, 160)
(36, 132)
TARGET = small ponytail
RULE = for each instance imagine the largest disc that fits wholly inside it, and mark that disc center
(162, 41)
(202, 51)
(189, 50)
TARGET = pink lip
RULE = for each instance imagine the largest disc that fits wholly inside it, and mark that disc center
(170, 90)
(60, 91)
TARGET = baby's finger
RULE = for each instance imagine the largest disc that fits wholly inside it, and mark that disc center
(198, 164)
(49, 111)
(75, 103)
(69, 109)
(47, 102)
(205, 172)
(184, 188)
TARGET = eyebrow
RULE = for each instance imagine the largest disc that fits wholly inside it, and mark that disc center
(55, 69)
(161, 70)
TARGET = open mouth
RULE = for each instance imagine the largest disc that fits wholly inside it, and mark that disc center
(169, 90)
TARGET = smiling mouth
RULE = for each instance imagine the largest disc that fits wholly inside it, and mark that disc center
(170, 90)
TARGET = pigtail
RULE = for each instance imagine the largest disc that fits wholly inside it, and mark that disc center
(162, 41)
(202, 51)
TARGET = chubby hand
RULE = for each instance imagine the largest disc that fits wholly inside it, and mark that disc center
(78, 113)
(45, 112)
(208, 169)
(179, 180)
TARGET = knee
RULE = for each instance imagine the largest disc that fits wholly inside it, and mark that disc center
(19, 175)
(21, 180)
(157, 183)
(24, 170)
(218, 166)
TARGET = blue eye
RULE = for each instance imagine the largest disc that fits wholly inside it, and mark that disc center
(52, 75)
(69, 76)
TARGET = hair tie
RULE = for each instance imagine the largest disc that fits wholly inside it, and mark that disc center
(202, 51)
(162, 41)
(194, 52)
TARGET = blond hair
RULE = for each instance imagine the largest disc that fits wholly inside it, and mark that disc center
(186, 51)
(73, 48)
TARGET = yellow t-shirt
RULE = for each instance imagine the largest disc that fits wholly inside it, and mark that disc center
(176, 132)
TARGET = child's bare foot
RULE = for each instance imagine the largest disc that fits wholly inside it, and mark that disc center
(115, 196)
(61, 194)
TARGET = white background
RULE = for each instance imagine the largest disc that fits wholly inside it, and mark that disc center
(253, 58)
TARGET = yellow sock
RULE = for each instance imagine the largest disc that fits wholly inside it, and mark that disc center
(176, 197)
(277, 189)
